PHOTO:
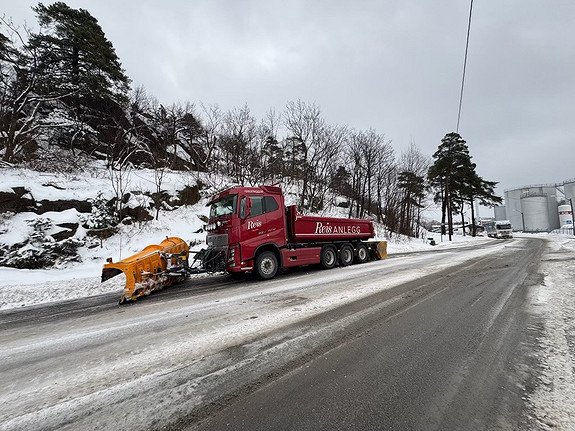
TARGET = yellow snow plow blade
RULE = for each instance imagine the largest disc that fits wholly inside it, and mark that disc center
(381, 249)
(155, 267)
(378, 249)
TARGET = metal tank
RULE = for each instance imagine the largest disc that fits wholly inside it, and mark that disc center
(569, 190)
(535, 212)
(550, 190)
(552, 206)
(500, 213)
(565, 215)
(513, 207)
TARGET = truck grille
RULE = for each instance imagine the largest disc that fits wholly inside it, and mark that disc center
(217, 240)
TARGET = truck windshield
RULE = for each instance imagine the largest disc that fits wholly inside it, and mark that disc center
(504, 226)
(223, 206)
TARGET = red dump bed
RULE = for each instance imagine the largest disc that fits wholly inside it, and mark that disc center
(319, 229)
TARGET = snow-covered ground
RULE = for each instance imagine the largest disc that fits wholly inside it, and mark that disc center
(554, 398)
(217, 321)
(553, 299)
(101, 370)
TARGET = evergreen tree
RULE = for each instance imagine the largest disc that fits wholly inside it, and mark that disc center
(272, 158)
(84, 63)
(454, 177)
(448, 173)
(484, 192)
(78, 65)
(413, 187)
(7, 51)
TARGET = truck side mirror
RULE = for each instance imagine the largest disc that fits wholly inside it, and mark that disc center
(245, 207)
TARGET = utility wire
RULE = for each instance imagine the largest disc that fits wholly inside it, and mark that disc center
(464, 67)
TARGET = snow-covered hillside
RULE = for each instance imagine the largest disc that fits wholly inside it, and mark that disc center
(69, 280)
(22, 287)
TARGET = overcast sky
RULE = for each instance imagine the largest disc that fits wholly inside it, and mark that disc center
(391, 65)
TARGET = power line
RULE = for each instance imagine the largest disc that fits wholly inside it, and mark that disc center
(464, 67)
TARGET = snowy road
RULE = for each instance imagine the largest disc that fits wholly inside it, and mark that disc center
(147, 365)
(450, 355)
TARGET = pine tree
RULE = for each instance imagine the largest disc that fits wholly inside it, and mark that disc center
(456, 181)
(84, 63)
(101, 220)
(7, 51)
(413, 187)
(448, 173)
(484, 192)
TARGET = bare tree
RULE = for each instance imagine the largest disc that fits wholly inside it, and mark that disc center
(413, 168)
(323, 163)
(119, 174)
(20, 116)
(237, 144)
(369, 154)
(305, 127)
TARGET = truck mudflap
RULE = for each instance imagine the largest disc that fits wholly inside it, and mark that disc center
(155, 267)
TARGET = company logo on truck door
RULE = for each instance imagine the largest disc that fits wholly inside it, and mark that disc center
(254, 224)
(320, 228)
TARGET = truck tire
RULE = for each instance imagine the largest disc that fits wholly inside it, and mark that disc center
(361, 253)
(346, 255)
(266, 265)
(328, 256)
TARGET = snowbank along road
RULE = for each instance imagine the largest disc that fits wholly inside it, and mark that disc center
(180, 358)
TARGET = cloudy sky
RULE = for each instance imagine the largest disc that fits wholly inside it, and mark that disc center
(391, 65)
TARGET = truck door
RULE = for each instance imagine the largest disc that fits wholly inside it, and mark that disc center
(253, 225)
(275, 219)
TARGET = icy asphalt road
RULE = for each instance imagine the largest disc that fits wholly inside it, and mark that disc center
(188, 354)
(453, 354)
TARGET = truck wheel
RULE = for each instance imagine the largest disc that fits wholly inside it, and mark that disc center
(346, 255)
(328, 256)
(266, 265)
(361, 253)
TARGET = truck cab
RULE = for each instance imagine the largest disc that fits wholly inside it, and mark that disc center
(243, 222)
(498, 229)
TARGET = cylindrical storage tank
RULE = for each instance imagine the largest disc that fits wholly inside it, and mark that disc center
(569, 190)
(552, 206)
(535, 212)
(500, 213)
(565, 215)
(550, 190)
(513, 208)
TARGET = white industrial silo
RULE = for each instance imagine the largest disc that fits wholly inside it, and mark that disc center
(565, 215)
(535, 212)
(550, 190)
(500, 213)
(513, 208)
(569, 189)
(552, 206)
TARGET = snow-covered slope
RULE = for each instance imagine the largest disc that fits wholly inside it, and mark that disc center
(23, 287)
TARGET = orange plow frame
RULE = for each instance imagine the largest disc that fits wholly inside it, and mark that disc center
(149, 269)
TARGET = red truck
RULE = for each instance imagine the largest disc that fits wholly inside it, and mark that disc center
(250, 230)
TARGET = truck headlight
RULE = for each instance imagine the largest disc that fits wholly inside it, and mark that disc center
(232, 254)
